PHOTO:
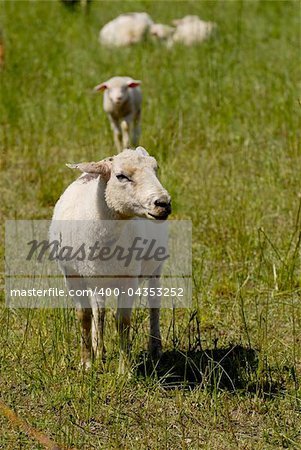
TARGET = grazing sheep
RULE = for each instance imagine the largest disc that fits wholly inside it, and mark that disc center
(188, 31)
(119, 188)
(122, 102)
(125, 29)
(192, 30)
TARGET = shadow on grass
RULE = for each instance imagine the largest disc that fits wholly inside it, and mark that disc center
(232, 368)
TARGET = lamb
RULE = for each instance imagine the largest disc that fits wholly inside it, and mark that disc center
(125, 29)
(191, 30)
(116, 189)
(122, 102)
(188, 31)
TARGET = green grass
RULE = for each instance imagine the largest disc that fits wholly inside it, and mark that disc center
(223, 120)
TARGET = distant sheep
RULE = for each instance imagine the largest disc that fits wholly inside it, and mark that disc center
(126, 29)
(188, 31)
(122, 102)
(107, 196)
(192, 30)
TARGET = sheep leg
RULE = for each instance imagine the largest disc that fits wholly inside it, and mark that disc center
(76, 283)
(123, 324)
(155, 341)
(136, 130)
(117, 140)
(98, 321)
(125, 127)
(85, 317)
(117, 132)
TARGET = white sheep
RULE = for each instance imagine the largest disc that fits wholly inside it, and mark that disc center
(122, 102)
(192, 30)
(188, 31)
(106, 197)
(125, 29)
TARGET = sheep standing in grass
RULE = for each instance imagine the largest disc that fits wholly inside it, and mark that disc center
(122, 102)
(118, 188)
(125, 29)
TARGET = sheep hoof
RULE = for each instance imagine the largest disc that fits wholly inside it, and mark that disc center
(85, 365)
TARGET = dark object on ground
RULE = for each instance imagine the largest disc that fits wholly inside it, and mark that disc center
(232, 368)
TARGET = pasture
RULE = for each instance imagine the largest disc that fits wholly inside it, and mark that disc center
(223, 121)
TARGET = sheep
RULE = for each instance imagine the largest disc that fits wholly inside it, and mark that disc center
(188, 31)
(118, 188)
(191, 30)
(122, 102)
(125, 29)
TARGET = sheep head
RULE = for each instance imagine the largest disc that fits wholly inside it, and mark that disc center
(161, 31)
(117, 88)
(132, 186)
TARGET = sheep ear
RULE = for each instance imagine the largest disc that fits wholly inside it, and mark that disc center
(100, 87)
(102, 168)
(142, 151)
(134, 83)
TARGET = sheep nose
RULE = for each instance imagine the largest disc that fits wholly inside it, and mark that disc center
(162, 203)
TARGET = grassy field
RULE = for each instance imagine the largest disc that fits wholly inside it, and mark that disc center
(223, 120)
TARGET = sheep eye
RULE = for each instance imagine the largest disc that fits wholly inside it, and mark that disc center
(122, 177)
